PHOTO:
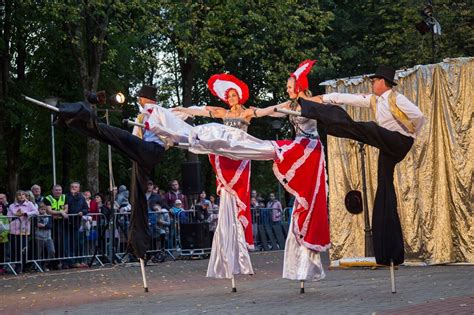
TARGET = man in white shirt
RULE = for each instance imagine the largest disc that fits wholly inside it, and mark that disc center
(398, 121)
(147, 101)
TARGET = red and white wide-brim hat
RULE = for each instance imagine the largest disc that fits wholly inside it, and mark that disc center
(301, 75)
(220, 84)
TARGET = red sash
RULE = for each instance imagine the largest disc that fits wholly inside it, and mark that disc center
(234, 177)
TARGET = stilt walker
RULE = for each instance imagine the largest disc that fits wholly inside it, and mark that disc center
(145, 154)
(398, 121)
(233, 236)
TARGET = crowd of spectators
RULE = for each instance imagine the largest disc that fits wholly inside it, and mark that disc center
(62, 229)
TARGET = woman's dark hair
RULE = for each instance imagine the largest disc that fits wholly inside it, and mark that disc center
(100, 195)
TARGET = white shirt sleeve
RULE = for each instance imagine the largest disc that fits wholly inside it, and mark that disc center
(412, 111)
(358, 100)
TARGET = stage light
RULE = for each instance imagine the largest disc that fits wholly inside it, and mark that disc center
(100, 97)
(118, 98)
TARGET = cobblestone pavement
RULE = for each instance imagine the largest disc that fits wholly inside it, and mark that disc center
(181, 288)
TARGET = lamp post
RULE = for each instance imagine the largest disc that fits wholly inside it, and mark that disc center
(276, 125)
(53, 101)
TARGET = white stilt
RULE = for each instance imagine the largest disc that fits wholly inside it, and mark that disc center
(234, 289)
(50, 107)
(392, 277)
(133, 123)
(181, 145)
(142, 265)
(302, 286)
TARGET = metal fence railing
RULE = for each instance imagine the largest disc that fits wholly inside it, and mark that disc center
(43, 242)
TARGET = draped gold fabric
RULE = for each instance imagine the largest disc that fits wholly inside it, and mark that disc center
(433, 183)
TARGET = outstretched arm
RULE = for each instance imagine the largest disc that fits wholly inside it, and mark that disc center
(270, 110)
(359, 100)
(204, 111)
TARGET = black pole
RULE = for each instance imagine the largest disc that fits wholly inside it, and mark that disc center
(369, 245)
(433, 47)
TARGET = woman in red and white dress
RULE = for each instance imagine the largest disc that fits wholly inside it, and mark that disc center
(233, 236)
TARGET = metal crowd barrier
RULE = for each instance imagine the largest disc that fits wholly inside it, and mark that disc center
(44, 242)
(269, 234)
(12, 246)
(185, 235)
(71, 242)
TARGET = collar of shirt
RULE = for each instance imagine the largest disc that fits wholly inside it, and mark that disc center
(385, 95)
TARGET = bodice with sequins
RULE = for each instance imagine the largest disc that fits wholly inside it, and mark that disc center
(304, 127)
(238, 123)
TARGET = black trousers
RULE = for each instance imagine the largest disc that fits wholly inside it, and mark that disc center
(145, 155)
(393, 147)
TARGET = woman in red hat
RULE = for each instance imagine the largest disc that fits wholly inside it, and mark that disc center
(300, 167)
(233, 233)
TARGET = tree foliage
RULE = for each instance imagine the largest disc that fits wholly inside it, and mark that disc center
(66, 49)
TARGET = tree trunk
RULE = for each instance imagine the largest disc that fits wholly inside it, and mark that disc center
(4, 76)
(187, 66)
(93, 147)
(88, 52)
(16, 130)
(13, 158)
(11, 132)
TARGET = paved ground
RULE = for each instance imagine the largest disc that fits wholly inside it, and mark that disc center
(181, 288)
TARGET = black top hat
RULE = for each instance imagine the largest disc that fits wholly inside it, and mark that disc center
(148, 92)
(386, 73)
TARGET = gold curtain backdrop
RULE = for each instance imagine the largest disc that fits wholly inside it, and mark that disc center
(433, 183)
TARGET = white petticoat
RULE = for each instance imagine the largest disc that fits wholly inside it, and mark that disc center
(229, 254)
(301, 263)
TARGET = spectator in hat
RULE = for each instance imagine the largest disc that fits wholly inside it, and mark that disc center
(175, 214)
(183, 215)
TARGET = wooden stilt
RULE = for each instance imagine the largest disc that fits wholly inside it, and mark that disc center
(302, 286)
(142, 265)
(392, 277)
(234, 289)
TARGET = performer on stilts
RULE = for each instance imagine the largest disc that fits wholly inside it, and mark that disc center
(299, 166)
(397, 122)
(145, 154)
(233, 236)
